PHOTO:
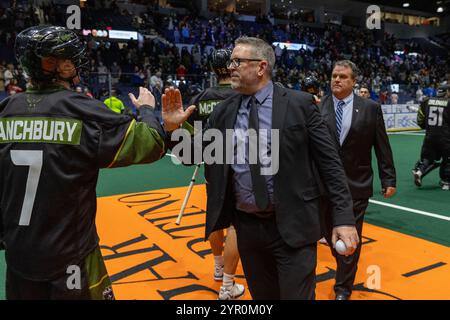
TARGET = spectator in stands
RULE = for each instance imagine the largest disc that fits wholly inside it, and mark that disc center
(278, 51)
(181, 71)
(12, 88)
(102, 74)
(114, 103)
(116, 73)
(8, 75)
(171, 26)
(394, 98)
(196, 56)
(155, 78)
(186, 58)
(87, 92)
(185, 33)
(169, 82)
(419, 95)
(430, 91)
(364, 91)
(176, 35)
(183, 85)
(92, 44)
(138, 77)
(384, 97)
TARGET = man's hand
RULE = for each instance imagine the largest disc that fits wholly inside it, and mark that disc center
(145, 98)
(172, 109)
(389, 192)
(349, 235)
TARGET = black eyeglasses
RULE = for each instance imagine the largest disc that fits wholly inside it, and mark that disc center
(236, 62)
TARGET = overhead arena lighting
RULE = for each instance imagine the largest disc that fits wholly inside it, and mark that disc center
(405, 5)
(440, 9)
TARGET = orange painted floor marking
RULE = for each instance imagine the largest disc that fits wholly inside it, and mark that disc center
(149, 257)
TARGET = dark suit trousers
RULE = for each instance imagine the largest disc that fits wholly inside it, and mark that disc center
(273, 269)
(347, 266)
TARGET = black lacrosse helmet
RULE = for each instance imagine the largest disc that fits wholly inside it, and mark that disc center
(39, 42)
(219, 61)
(442, 90)
(311, 85)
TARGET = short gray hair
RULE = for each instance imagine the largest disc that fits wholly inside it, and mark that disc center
(262, 50)
(348, 64)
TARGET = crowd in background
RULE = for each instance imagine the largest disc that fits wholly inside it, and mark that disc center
(180, 49)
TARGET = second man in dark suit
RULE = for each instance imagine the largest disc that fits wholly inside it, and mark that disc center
(357, 126)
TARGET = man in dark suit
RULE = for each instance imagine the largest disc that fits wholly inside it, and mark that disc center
(276, 215)
(357, 126)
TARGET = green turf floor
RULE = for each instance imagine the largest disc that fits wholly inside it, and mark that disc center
(429, 198)
(159, 175)
(164, 174)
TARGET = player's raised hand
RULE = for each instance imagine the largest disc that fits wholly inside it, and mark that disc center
(145, 98)
(173, 113)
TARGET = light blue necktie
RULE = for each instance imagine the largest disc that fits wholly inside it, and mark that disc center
(339, 116)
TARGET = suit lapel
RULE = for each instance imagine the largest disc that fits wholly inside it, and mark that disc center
(231, 111)
(279, 107)
(355, 118)
(230, 119)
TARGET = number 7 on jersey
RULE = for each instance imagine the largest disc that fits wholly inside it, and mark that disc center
(34, 160)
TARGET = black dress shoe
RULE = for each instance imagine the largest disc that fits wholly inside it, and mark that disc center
(342, 296)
